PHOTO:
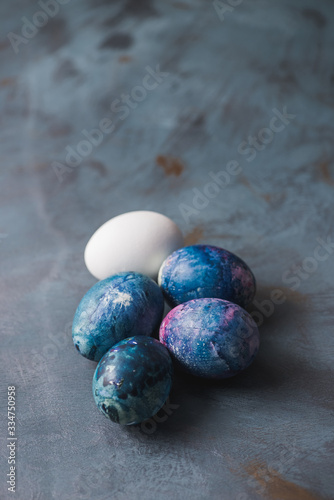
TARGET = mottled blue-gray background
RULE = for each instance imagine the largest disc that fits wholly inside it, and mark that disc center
(268, 433)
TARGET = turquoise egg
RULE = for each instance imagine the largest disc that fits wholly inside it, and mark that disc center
(118, 307)
(133, 379)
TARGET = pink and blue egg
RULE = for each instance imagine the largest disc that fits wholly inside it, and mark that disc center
(210, 337)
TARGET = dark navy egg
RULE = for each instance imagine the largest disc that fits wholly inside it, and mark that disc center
(201, 271)
(114, 309)
(133, 380)
(210, 338)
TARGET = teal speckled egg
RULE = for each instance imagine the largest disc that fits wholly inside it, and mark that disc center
(132, 381)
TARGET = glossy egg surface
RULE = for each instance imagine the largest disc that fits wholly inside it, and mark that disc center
(206, 271)
(118, 307)
(210, 338)
(133, 380)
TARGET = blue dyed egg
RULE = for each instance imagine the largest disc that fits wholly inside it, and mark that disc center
(204, 271)
(210, 338)
(114, 309)
(132, 381)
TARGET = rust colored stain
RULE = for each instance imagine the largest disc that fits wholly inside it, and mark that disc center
(275, 487)
(181, 5)
(294, 295)
(264, 196)
(325, 173)
(39, 167)
(124, 59)
(4, 45)
(246, 182)
(171, 166)
(193, 237)
(7, 81)
(60, 130)
(99, 166)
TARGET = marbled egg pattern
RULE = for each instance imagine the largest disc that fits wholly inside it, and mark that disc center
(210, 338)
(132, 381)
(118, 307)
(200, 271)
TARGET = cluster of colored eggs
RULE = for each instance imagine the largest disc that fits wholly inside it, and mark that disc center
(207, 333)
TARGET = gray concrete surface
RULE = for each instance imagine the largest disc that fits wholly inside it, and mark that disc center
(228, 71)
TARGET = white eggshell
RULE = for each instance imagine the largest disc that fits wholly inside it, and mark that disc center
(135, 241)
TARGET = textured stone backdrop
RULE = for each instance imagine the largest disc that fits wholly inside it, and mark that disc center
(222, 72)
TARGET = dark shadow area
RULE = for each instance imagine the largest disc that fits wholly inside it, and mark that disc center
(275, 372)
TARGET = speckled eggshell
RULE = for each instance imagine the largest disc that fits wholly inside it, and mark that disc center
(114, 309)
(210, 338)
(135, 241)
(132, 381)
(204, 271)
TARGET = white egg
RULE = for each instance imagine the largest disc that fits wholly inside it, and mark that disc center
(135, 241)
